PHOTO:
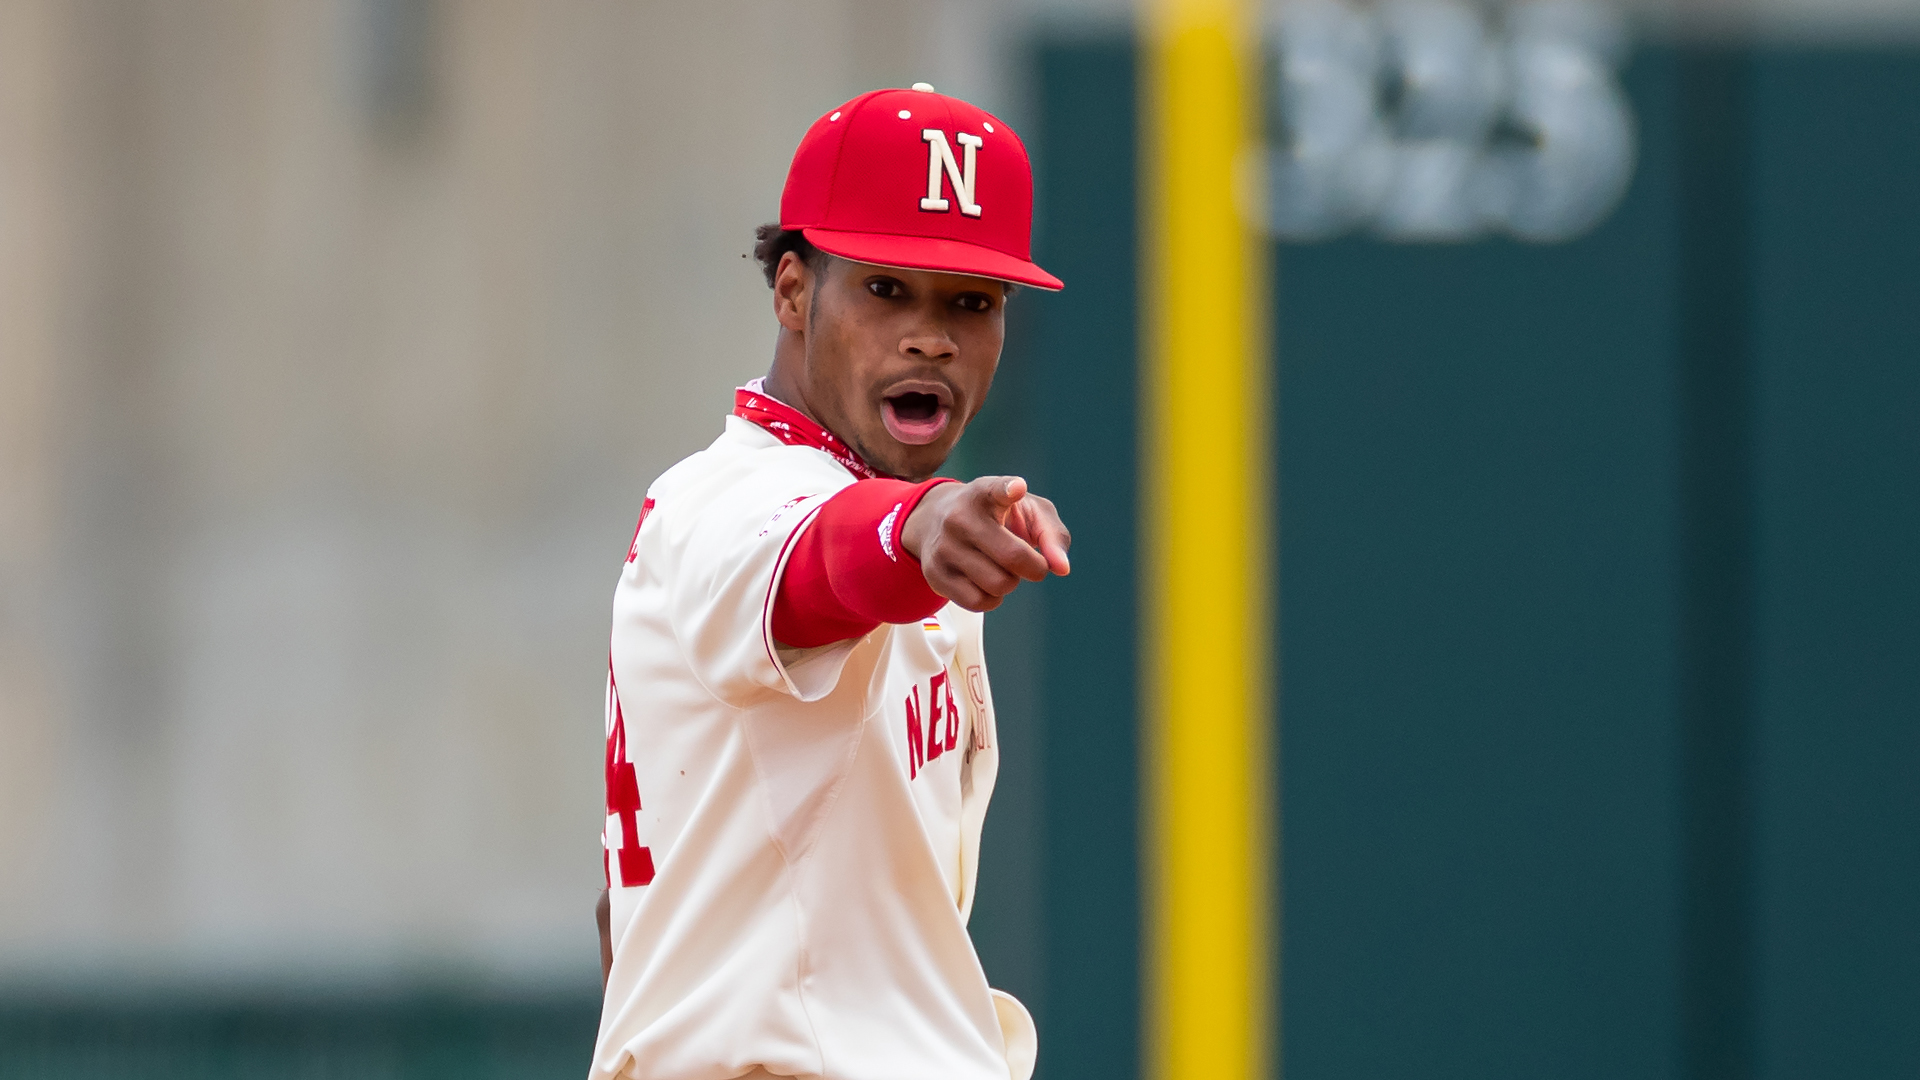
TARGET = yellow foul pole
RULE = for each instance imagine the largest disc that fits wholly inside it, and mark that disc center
(1205, 508)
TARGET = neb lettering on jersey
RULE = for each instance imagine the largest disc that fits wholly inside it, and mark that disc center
(937, 730)
(942, 166)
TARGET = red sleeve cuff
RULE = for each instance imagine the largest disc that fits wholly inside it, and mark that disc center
(848, 571)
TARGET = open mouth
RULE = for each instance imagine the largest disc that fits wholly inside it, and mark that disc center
(915, 418)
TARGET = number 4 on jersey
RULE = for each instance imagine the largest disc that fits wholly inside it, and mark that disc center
(623, 800)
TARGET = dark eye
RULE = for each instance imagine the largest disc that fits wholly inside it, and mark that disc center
(974, 301)
(886, 288)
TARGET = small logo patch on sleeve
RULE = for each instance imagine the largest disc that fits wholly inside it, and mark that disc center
(886, 532)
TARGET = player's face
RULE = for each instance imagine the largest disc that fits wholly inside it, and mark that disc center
(899, 361)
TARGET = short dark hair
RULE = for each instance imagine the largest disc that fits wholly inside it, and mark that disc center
(770, 241)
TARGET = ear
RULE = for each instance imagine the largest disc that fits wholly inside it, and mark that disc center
(793, 288)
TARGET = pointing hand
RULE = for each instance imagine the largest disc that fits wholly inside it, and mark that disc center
(976, 542)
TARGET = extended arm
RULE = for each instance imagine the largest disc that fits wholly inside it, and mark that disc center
(886, 551)
(850, 570)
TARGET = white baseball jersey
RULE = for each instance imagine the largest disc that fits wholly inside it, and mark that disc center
(792, 835)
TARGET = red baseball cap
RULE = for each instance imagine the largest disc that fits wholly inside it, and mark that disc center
(918, 180)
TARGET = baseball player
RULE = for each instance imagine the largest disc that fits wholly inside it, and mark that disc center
(800, 729)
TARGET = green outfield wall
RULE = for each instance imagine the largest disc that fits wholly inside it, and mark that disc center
(1600, 712)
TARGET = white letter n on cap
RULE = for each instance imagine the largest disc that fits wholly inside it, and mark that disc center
(940, 160)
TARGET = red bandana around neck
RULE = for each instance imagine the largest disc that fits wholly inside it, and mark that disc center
(786, 423)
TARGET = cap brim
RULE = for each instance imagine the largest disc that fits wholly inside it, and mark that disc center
(931, 253)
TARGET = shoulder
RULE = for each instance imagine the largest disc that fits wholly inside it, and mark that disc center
(746, 463)
(742, 484)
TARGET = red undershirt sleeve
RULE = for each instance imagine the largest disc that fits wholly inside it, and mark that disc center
(848, 571)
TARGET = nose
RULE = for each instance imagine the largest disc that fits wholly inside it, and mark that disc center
(932, 343)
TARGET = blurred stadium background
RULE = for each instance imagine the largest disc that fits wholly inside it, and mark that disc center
(339, 340)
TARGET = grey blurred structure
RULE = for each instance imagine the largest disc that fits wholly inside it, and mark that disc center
(1423, 122)
(338, 341)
